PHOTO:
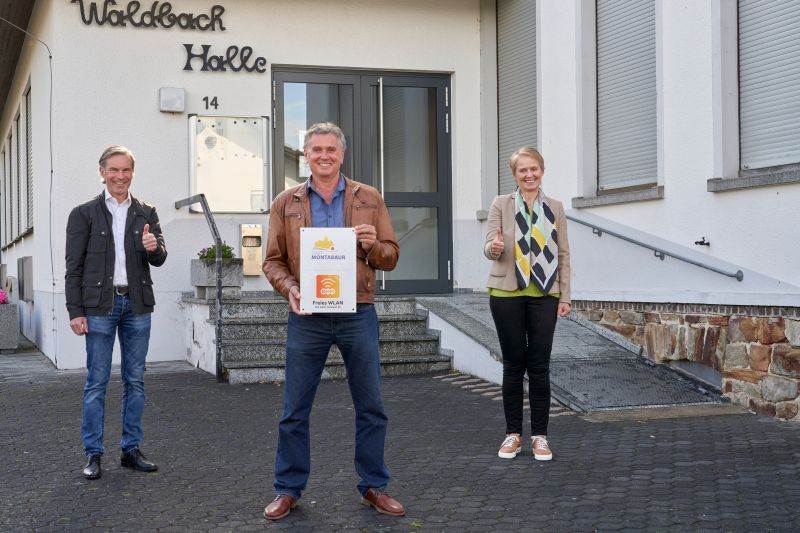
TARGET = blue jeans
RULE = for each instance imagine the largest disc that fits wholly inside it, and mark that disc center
(309, 339)
(134, 336)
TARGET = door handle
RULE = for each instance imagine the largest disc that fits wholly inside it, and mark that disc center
(381, 155)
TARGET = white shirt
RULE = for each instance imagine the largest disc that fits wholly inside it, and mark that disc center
(119, 214)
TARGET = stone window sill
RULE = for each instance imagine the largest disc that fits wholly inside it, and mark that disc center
(768, 177)
(653, 193)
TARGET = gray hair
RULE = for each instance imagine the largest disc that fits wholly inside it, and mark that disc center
(325, 128)
(116, 149)
(528, 151)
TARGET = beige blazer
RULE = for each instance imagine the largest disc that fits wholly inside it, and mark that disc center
(502, 275)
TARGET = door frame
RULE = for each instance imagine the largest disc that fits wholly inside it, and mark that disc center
(360, 150)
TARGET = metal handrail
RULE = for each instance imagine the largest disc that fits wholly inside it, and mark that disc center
(411, 230)
(201, 199)
(658, 252)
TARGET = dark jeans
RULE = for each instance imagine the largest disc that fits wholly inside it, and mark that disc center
(525, 327)
(134, 337)
(308, 341)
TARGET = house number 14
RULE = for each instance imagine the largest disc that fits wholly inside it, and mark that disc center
(211, 102)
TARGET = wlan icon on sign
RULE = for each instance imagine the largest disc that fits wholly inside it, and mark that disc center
(327, 286)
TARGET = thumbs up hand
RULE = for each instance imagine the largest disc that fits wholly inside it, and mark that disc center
(148, 239)
(497, 243)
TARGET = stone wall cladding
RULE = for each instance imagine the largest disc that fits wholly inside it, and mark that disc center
(755, 348)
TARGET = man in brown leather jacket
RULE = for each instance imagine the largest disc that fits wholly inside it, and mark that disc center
(328, 199)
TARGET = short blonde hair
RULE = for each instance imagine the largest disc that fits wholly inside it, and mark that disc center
(528, 151)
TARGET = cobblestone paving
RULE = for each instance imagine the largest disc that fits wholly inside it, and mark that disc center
(215, 446)
(495, 392)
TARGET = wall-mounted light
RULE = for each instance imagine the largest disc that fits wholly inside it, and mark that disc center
(171, 99)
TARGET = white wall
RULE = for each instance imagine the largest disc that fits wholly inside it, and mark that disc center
(469, 356)
(750, 229)
(627, 272)
(558, 97)
(100, 99)
(36, 319)
(106, 82)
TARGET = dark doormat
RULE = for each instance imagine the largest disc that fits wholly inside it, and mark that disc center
(622, 382)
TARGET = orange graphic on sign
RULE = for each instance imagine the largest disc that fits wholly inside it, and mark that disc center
(327, 286)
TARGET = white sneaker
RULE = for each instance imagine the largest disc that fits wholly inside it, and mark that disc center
(541, 450)
(511, 446)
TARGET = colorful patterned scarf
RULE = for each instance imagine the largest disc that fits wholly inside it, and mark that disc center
(536, 243)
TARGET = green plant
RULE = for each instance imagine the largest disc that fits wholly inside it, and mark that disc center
(211, 252)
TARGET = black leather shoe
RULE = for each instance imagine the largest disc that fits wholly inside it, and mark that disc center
(134, 459)
(93, 470)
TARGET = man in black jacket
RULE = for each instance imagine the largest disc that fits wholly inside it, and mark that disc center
(111, 242)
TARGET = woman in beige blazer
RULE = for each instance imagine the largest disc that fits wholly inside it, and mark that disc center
(528, 289)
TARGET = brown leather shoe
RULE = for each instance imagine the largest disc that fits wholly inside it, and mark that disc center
(280, 507)
(383, 503)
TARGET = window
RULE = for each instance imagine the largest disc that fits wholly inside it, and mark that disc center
(769, 74)
(516, 83)
(29, 160)
(230, 162)
(4, 230)
(626, 94)
(12, 188)
(18, 178)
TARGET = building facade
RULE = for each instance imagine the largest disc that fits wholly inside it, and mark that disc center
(672, 124)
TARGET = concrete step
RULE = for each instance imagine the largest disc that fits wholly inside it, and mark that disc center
(276, 307)
(262, 327)
(253, 343)
(259, 349)
(390, 366)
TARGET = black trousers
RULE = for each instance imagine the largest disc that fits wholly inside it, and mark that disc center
(525, 327)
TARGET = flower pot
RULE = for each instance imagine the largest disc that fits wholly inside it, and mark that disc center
(9, 326)
(204, 278)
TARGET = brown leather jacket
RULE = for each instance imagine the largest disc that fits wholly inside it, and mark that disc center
(291, 211)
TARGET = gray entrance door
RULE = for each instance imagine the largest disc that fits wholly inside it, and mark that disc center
(398, 141)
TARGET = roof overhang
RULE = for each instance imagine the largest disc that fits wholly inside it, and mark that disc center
(17, 12)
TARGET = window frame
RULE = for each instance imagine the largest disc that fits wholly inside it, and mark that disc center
(4, 219)
(587, 117)
(28, 161)
(727, 172)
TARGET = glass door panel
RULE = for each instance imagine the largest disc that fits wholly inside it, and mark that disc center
(409, 138)
(409, 157)
(303, 99)
(305, 104)
(417, 231)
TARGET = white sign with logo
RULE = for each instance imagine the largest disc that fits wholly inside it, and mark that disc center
(328, 270)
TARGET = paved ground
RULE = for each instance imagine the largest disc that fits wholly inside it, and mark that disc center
(701, 468)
